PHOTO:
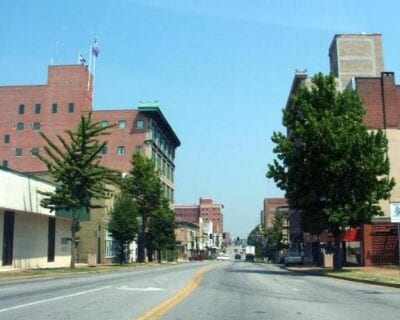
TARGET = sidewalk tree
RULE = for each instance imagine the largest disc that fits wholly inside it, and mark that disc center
(123, 224)
(161, 231)
(274, 235)
(334, 171)
(74, 164)
(144, 185)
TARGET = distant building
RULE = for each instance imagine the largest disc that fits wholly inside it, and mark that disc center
(208, 216)
(271, 205)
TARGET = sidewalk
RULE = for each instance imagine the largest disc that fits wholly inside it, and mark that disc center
(386, 276)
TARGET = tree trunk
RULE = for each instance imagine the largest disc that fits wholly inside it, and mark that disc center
(159, 256)
(149, 254)
(141, 242)
(73, 232)
(337, 256)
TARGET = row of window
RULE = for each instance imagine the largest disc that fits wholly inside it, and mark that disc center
(121, 150)
(162, 143)
(20, 126)
(162, 165)
(38, 108)
(122, 124)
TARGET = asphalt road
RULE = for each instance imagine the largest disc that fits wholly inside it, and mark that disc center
(231, 290)
(125, 295)
(242, 290)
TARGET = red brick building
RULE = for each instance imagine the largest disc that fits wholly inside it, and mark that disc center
(206, 209)
(58, 105)
(271, 205)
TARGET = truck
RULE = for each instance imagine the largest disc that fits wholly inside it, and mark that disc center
(250, 253)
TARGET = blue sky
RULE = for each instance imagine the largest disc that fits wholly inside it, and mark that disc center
(221, 71)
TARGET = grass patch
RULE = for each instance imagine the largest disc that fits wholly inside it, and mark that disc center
(366, 274)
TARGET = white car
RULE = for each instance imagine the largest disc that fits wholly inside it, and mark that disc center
(223, 257)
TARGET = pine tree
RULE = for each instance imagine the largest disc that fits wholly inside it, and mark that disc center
(74, 165)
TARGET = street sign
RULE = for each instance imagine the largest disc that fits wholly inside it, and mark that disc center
(395, 212)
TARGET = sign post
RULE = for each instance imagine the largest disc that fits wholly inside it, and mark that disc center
(395, 218)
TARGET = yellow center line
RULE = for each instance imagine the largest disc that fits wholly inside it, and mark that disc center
(169, 304)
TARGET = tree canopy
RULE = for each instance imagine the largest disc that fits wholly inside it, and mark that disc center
(334, 170)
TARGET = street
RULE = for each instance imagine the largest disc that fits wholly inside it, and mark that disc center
(230, 290)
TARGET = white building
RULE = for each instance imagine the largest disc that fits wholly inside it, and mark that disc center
(31, 236)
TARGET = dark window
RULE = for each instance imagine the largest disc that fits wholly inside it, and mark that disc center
(20, 126)
(5, 163)
(37, 108)
(140, 124)
(18, 152)
(122, 124)
(104, 150)
(6, 138)
(54, 108)
(35, 151)
(71, 107)
(104, 123)
(21, 109)
(36, 126)
(51, 241)
(121, 150)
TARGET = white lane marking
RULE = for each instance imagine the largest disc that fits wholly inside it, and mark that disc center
(53, 299)
(141, 289)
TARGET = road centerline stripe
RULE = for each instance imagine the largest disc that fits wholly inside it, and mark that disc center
(52, 299)
(168, 305)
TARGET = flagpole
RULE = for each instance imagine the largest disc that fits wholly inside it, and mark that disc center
(94, 76)
(90, 67)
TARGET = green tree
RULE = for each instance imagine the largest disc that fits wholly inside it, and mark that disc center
(75, 166)
(161, 231)
(333, 170)
(123, 224)
(144, 185)
(256, 238)
(274, 235)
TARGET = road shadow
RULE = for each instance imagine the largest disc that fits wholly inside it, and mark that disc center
(282, 271)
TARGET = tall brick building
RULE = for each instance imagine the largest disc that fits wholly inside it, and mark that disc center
(58, 105)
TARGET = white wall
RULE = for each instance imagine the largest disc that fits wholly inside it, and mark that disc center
(19, 192)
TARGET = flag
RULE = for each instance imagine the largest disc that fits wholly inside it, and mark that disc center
(82, 60)
(95, 48)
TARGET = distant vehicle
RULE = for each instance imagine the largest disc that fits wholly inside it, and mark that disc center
(293, 258)
(198, 258)
(238, 256)
(250, 250)
(223, 257)
(249, 257)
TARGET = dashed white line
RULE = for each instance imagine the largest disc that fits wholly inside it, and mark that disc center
(53, 299)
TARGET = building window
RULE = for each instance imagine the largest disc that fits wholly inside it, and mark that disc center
(5, 164)
(21, 109)
(104, 123)
(139, 124)
(19, 126)
(122, 124)
(121, 150)
(54, 108)
(35, 151)
(139, 149)
(18, 152)
(37, 108)
(6, 138)
(104, 150)
(71, 107)
(36, 126)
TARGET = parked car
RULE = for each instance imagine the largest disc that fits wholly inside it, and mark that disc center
(293, 258)
(238, 256)
(223, 257)
(249, 257)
